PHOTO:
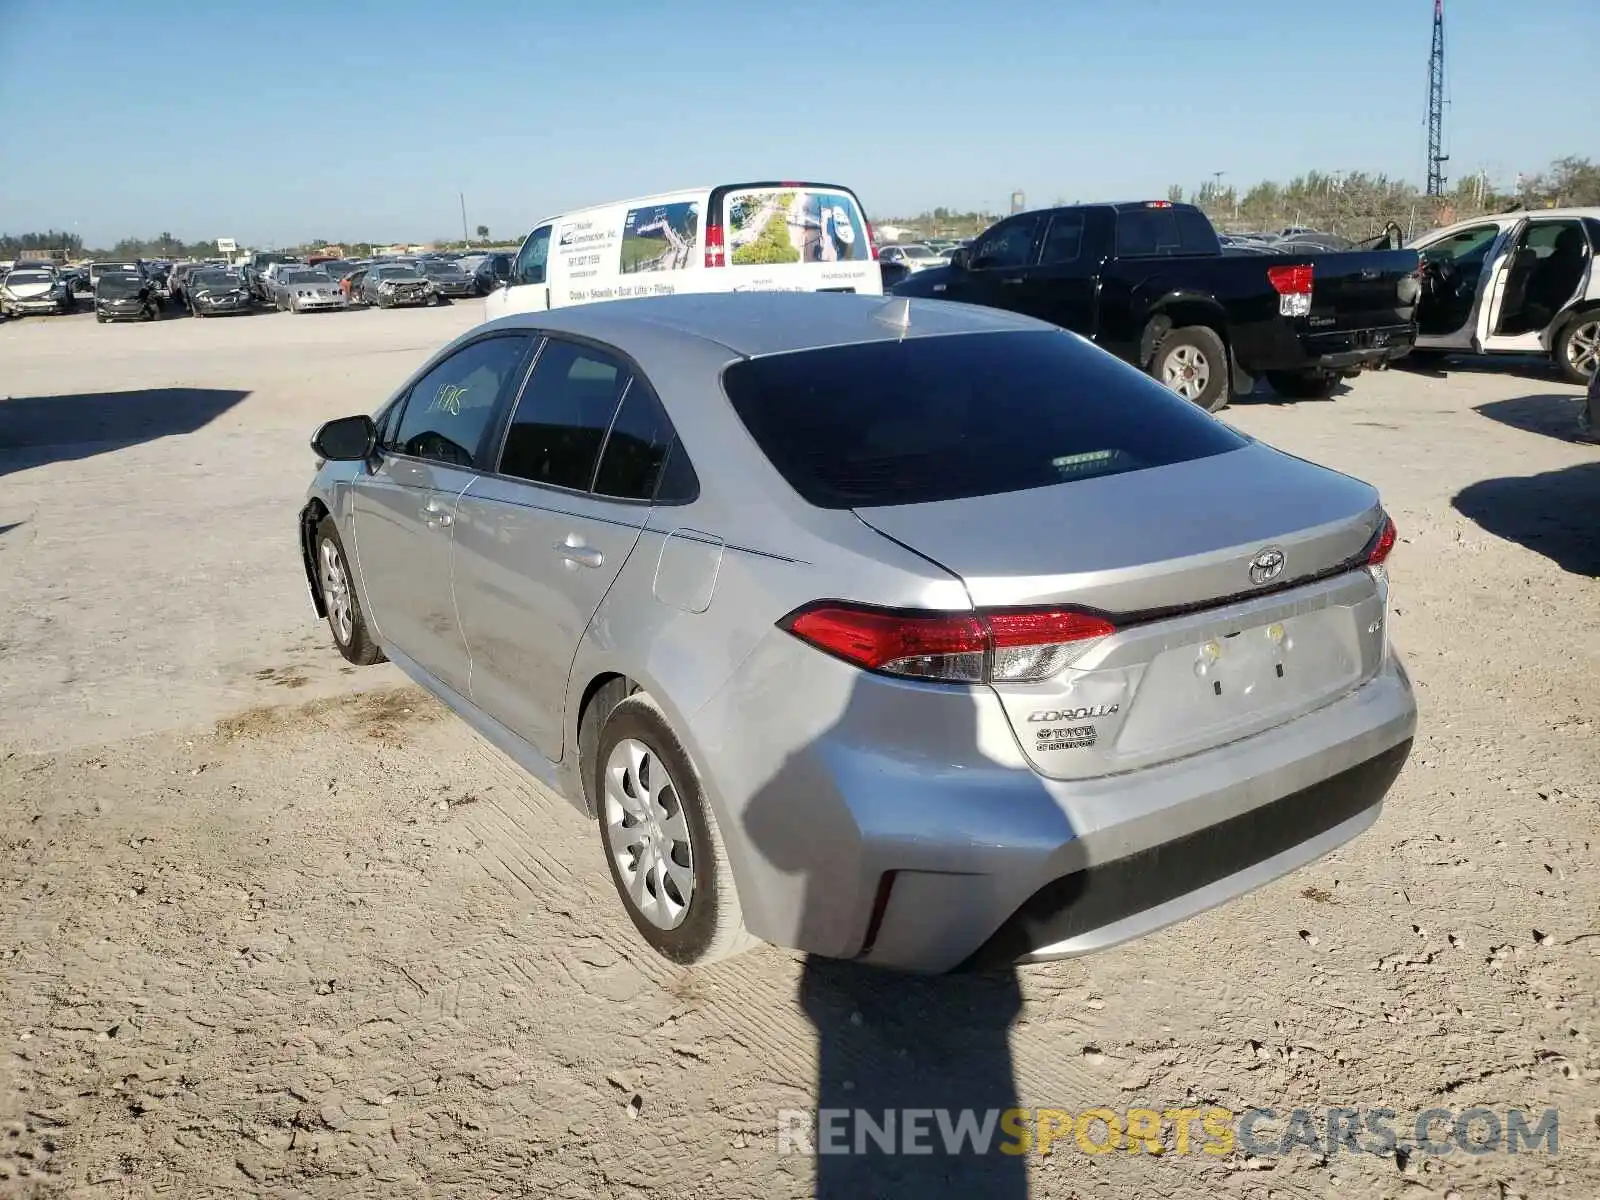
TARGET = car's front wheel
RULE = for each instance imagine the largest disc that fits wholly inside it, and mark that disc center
(661, 840)
(337, 584)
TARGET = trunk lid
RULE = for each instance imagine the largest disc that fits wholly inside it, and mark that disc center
(1205, 651)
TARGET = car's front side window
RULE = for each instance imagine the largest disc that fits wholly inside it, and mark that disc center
(449, 410)
(530, 264)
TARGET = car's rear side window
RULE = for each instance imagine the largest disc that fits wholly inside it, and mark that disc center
(561, 420)
(942, 418)
(1151, 232)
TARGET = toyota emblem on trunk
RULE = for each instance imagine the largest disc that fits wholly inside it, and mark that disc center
(1267, 565)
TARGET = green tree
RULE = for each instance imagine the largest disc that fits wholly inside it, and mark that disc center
(483, 233)
(1175, 193)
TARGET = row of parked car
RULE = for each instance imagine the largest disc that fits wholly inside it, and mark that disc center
(145, 290)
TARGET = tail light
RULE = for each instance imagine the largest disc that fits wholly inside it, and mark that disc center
(1383, 543)
(1293, 285)
(1377, 551)
(872, 241)
(996, 646)
(715, 255)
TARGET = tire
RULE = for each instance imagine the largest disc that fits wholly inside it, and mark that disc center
(1198, 350)
(708, 923)
(1576, 348)
(346, 622)
(1303, 385)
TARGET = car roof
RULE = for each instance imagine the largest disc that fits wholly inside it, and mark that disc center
(751, 324)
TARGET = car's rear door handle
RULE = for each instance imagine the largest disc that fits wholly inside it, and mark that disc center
(1012, 279)
(575, 550)
(436, 517)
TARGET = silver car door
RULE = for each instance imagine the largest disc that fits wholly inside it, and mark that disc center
(404, 509)
(540, 542)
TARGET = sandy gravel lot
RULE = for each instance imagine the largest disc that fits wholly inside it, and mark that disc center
(272, 926)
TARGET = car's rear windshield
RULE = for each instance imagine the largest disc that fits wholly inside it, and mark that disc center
(945, 418)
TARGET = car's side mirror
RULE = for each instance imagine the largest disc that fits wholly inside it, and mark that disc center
(346, 439)
(958, 258)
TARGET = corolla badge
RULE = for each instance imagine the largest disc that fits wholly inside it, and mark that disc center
(1267, 565)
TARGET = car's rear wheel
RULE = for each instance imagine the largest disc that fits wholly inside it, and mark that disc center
(1577, 348)
(1192, 361)
(1303, 385)
(337, 584)
(661, 840)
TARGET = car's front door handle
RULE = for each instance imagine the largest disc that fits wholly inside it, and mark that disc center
(435, 517)
(1012, 279)
(575, 550)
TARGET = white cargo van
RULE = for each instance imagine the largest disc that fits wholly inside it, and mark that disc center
(758, 237)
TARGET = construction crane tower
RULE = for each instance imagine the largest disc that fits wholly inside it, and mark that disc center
(1436, 155)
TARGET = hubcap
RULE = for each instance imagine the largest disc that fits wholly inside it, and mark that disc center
(336, 593)
(648, 836)
(1583, 348)
(1187, 371)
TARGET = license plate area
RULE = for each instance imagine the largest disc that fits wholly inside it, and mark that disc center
(1238, 678)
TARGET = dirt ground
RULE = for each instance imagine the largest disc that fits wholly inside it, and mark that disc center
(272, 926)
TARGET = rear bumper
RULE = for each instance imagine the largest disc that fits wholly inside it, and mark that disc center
(1291, 346)
(1357, 348)
(1103, 905)
(947, 850)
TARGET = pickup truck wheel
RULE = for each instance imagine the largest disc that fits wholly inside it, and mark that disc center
(1577, 348)
(1303, 385)
(1192, 361)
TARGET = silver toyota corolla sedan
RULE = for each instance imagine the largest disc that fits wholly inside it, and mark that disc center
(896, 630)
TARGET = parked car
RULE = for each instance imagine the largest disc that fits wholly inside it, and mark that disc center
(734, 237)
(302, 289)
(448, 279)
(35, 290)
(395, 285)
(98, 269)
(913, 256)
(125, 296)
(258, 272)
(213, 293)
(492, 271)
(1150, 282)
(864, 709)
(1516, 283)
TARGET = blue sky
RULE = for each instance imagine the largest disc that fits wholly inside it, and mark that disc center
(282, 120)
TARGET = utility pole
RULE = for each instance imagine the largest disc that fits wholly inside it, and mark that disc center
(465, 237)
(1436, 156)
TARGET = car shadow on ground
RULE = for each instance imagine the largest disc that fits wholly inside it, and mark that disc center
(1556, 514)
(35, 430)
(1551, 414)
(914, 1072)
(1265, 394)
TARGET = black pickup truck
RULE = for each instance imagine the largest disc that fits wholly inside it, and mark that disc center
(1150, 282)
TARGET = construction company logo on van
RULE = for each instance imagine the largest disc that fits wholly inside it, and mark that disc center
(586, 249)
